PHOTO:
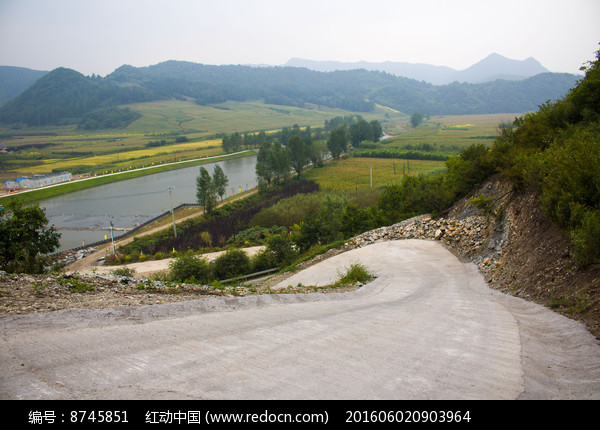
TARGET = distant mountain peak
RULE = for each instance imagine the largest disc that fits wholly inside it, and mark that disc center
(494, 66)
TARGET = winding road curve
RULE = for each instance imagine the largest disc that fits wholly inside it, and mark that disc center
(428, 327)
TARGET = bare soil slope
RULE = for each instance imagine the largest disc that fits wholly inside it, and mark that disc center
(528, 256)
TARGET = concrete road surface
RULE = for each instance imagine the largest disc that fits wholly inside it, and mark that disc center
(427, 328)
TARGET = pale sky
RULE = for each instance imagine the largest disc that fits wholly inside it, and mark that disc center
(99, 36)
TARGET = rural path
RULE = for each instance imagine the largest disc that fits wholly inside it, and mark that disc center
(428, 327)
(146, 269)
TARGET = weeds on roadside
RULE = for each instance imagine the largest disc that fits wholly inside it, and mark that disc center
(123, 271)
(74, 284)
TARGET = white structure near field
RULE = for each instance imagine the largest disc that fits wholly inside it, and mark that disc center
(39, 181)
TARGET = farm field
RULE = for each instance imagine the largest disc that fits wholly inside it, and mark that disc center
(449, 134)
(174, 116)
(354, 173)
(102, 152)
(46, 149)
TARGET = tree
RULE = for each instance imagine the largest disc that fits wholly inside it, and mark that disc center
(359, 131)
(416, 119)
(377, 130)
(220, 181)
(24, 237)
(264, 172)
(297, 149)
(272, 163)
(232, 142)
(315, 152)
(337, 142)
(279, 160)
(205, 190)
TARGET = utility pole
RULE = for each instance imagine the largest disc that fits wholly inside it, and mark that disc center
(112, 238)
(170, 189)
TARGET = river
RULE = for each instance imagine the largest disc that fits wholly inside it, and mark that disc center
(84, 216)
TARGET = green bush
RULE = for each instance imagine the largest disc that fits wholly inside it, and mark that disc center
(255, 235)
(324, 226)
(289, 211)
(354, 220)
(123, 271)
(189, 268)
(282, 249)
(417, 195)
(571, 176)
(232, 263)
(263, 260)
(586, 239)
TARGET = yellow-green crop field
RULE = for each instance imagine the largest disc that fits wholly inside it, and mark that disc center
(354, 173)
(448, 133)
(132, 159)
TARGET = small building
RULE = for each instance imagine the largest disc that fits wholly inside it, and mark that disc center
(39, 181)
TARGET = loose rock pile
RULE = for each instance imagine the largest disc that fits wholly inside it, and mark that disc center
(475, 237)
(70, 257)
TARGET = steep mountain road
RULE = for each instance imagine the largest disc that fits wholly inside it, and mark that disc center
(428, 327)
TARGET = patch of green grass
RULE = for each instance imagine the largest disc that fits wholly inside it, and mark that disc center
(569, 305)
(356, 272)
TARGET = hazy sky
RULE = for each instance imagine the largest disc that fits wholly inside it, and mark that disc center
(99, 36)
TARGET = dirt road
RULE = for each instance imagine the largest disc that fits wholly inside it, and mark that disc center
(428, 327)
(147, 268)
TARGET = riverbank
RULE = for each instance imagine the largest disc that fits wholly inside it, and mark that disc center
(32, 196)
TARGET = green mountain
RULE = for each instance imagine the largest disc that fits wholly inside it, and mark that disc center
(65, 96)
(15, 80)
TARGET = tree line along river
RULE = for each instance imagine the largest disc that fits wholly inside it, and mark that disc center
(84, 216)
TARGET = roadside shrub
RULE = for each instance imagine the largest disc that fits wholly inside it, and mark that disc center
(255, 235)
(282, 249)
(123, 271)
(289, 211)
(416, 195)
(189, 268)
(232, 263)
(324, 226)
(484, 204)
(354, 220)
(263, 260)
(586, 239)
(571, 178)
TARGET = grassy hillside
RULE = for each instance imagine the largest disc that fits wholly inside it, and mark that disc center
(174, 116)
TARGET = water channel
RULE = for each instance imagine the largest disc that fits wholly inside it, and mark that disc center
(85, 216)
